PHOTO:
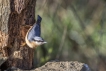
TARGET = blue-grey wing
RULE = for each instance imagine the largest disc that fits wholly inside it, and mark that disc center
(35, 30)
(37, 27)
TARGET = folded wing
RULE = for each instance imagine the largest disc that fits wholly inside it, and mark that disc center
(35, 31)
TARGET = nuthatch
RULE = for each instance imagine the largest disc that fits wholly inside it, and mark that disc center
(33, 38)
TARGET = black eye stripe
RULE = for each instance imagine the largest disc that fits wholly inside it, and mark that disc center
(39, 40)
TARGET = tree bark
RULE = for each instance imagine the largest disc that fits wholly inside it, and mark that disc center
(17, 17)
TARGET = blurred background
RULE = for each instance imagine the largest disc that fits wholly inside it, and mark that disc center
(75, 31)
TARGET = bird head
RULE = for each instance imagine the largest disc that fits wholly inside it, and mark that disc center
(39, 41)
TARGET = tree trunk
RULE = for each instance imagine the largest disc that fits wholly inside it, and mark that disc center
(16, 17)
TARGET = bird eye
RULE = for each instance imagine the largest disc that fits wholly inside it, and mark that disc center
(39, 41)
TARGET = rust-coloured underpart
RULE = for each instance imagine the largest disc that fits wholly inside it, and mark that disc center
(21, 18)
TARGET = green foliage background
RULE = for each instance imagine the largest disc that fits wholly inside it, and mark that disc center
(74, 30)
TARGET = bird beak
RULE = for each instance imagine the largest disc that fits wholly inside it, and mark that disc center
(44, 42)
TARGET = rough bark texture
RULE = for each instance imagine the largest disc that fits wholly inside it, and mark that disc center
(4, 15)
(16, 17)
(59, 66)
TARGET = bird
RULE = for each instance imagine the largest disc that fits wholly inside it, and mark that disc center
(33, 36)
